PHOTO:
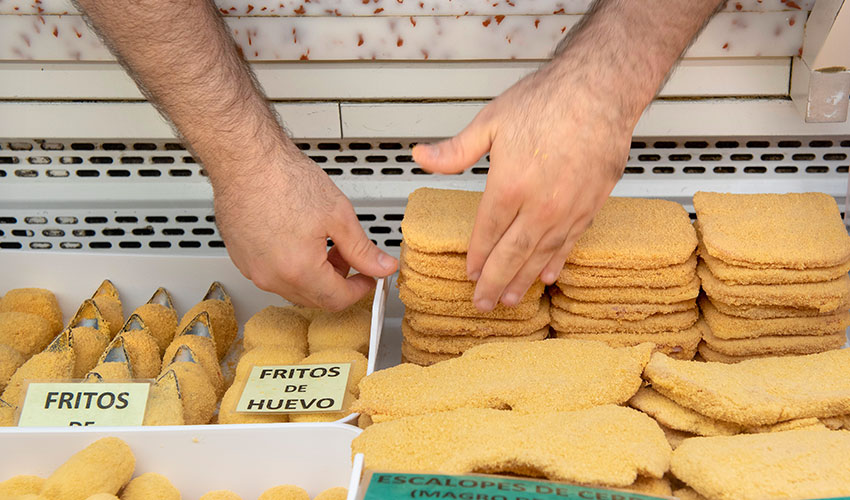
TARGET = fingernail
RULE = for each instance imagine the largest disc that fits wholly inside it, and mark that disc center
(549, 278)
(474, 275)
(484, 305)
(385, 261)
(510, 299)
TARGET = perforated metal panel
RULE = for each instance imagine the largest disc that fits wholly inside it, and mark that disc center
(113, 196)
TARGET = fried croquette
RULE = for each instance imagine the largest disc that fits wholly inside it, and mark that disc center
(724, 326)
(227, 413)
(679, 344)
(164, 403)
(824, 296)
(456, 344)
(25, 332)
(349, 328)
(196, 392)
(10, 361)
(443, 326)
(197, 338)
(793, 231)
(220, 495)
(114, 364)
(609, 310)
(160, 317)
(144, 353)
(102, 467)
(20, 485)
(757, 391)
(521, 311)
(102, 496)
(663, 277)
(36, 301)
(276, 326)
(356, 372)
(607, 445)
(285, 492)
(266, 356)
(348, 399)
(674, 416)
(333, 494)
(528, 377)
(88, 344)
(150, 486)
(56, 363)
(222, 318)
(109, 303)
(792, 464)
(633, 295)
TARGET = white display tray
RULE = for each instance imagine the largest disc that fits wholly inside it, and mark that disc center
(246, 459)
(73, 277)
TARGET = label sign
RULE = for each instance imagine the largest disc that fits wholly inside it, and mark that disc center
(64, 404)
(295, 389)
(391, 486)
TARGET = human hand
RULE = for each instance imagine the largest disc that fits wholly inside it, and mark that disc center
(558, 143)
(275, 221)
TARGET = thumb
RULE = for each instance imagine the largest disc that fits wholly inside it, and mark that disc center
(458, 153)
(358, 251)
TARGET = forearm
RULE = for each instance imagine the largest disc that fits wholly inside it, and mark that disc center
(626, 48)
(185, 61)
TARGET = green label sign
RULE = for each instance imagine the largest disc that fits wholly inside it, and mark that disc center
(295, 389)
(390, 486)
(80, 404)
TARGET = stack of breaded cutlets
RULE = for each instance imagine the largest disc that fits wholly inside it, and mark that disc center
(440, 319)
(774, 271)
(631, 278)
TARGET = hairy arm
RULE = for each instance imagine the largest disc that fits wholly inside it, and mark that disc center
(274, 207)
(559, 139)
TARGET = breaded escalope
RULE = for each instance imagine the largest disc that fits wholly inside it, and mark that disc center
(454, 344)
(679, 344)
(664, 277)
(443, 289)
(567, 322)
(788, 425)
(528, 377)
(758, 391)
(793, 464)
(440, 220)
(675, 437)
(824, 296)
(444, 326)
(794, 230)
(768, 312)
(710, 354)
(410, 354)
(633, 295)
(450, 266)
(608, 310)
(724, 326)
(670, 414)
(786, 344)
(464, 308)
(636, 233)
(608, 445)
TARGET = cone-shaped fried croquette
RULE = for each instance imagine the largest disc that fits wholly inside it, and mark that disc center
(141, 347)
(20, 485)
(109, 302)
(88, 345)
(356, 372)
(56, 362)
(160, 317)
(36, 301)
(197, 393)
(7, 415)
(164, 404)
(348, 328)
(218, 305)
(102, 467)
(276, 326)
(150, 486)
(10, 361)
(333, 494)
(285, 492)
(114, 364)
(266, 356)
(227, 413)
(25, 332)
(198, 336)
(220, 495)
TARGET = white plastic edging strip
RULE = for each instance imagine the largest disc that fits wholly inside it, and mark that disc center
(356, 477)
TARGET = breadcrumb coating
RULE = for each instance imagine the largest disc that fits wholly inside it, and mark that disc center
(333, 494)
(220, 495)
(164, 405)
(679, 344)
(668, 413)
(102, 467)
(608, 310)
(222, 322)
(410, 354)
(267, 356)
(453, 290)
(197, 393)
(25, 332)
(150, 486)
(633, 295)
(443, 326)
(786, 344)
(359, 364)
(349, 328)
(663, 277)
(20, 485)
(522, 311)
(10, 361)
(36, 301)
(456, 344)
(47, 365)
(567, 322)
(440, 220)
(161, 321)
(203, 348)
(276, 326)
(144, 353)
(724, 326)
(285, 492)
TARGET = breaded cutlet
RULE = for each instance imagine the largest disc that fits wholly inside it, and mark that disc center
(724, 326)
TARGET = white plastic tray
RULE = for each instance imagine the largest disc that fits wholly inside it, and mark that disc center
(246, 459)
(74, 277)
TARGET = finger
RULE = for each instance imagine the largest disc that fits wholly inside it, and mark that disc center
(549, 245)
(496, 212)
(355, 247)
(509, 255)
(336, 259)
(458, 153)
(331, 291)
(553, 268)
